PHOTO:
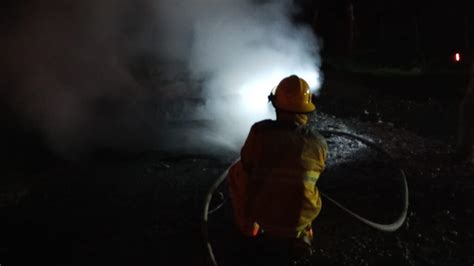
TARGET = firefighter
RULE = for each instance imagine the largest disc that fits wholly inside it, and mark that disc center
(273, 185)
(466, 123)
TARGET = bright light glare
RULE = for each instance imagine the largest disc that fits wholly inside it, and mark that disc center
(457, 57)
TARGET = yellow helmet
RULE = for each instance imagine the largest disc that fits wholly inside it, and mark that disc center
(293, 94)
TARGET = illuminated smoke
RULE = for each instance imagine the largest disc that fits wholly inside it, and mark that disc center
(241, 50)
(66, 62)
(68, 68)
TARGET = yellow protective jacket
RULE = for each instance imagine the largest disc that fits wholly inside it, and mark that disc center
(274, 182)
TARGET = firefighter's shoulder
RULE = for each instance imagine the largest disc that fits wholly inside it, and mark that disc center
(314, 134)
(263, 124)
(311, 132)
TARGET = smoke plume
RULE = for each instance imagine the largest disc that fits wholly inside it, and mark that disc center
(148, 74)
(240, 50)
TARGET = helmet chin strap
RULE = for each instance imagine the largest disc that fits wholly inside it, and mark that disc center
(271, 98)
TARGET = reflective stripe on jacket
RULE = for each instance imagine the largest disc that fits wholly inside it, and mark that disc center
(274, 182)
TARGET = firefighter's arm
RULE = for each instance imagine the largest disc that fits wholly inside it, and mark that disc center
(249, 151)
(242, 188)
(320, 149)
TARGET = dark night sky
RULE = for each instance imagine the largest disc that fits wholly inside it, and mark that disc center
(442, 25)
(391, 24)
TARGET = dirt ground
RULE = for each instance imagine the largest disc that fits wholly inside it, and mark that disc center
(146, 209)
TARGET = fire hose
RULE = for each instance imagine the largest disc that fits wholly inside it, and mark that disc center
(383, 227)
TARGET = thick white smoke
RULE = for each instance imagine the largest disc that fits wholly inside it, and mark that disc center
(242, 50)
(69, 69)
(66, 66)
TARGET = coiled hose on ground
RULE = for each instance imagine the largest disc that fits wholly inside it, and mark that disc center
(383, 227)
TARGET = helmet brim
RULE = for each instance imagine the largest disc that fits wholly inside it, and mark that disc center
(306, 108)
